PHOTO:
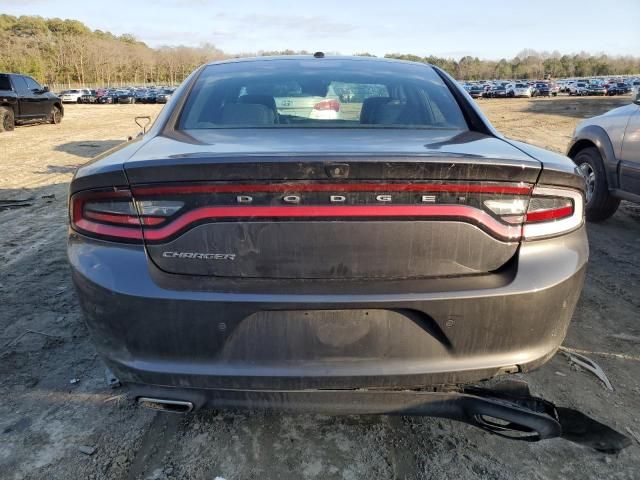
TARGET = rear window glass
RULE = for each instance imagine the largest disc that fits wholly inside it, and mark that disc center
(320, 93)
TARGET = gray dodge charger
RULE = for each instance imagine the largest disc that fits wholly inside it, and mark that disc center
(334, 234)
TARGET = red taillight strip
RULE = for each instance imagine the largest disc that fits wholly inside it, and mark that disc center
(112, 217)
(544, 215)
(152, 220)
(108, 230)
(333, 187)
(471, 214)
(122, 219)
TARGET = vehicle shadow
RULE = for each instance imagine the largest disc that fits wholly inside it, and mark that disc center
(576, 107)
(87, 148)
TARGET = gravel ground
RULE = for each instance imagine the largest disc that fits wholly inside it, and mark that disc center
(54, 397)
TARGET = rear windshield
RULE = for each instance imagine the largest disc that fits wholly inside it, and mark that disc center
(320, 93)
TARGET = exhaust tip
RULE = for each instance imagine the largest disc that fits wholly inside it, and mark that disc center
(165, 405)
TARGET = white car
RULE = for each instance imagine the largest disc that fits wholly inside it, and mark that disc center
(578, 88)
(297, 103)
(519, 90)
(73, 96)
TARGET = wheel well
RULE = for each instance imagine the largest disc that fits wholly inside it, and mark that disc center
(580, 145)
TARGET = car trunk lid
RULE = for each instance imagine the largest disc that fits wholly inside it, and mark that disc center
(370, 206)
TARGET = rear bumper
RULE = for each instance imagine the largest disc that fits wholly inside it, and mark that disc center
(164, 330)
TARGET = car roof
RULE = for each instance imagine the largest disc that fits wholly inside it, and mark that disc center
(311, 57)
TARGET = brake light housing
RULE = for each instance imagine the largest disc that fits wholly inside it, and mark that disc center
(329, 104)
(553, 211)
(112, 214)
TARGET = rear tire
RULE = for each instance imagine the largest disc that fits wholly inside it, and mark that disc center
(56, 115)
(7, 120)
(600, 204)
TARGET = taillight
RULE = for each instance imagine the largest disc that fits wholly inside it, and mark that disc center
(329, 104)
(113, 215)
(553, 211)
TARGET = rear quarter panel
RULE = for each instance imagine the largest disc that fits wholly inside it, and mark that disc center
(556, 169)
(106, 170)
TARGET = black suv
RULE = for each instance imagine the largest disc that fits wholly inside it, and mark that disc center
(23, 100)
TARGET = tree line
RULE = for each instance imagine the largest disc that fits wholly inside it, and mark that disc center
(530, 64)
(67, 52)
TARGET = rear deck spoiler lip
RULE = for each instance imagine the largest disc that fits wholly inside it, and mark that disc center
(311, 167)
(499, 188)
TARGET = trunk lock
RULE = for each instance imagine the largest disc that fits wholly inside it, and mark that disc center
(337, 170)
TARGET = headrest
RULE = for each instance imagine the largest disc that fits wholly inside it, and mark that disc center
(246, 114)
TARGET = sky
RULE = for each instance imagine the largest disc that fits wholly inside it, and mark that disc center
(488, 29)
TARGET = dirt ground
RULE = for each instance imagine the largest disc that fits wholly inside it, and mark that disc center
(54, 398)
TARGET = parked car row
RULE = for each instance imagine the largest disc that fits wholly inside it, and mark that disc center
(546, 88)
(599, 87)
(511, 89)
(117, 95)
